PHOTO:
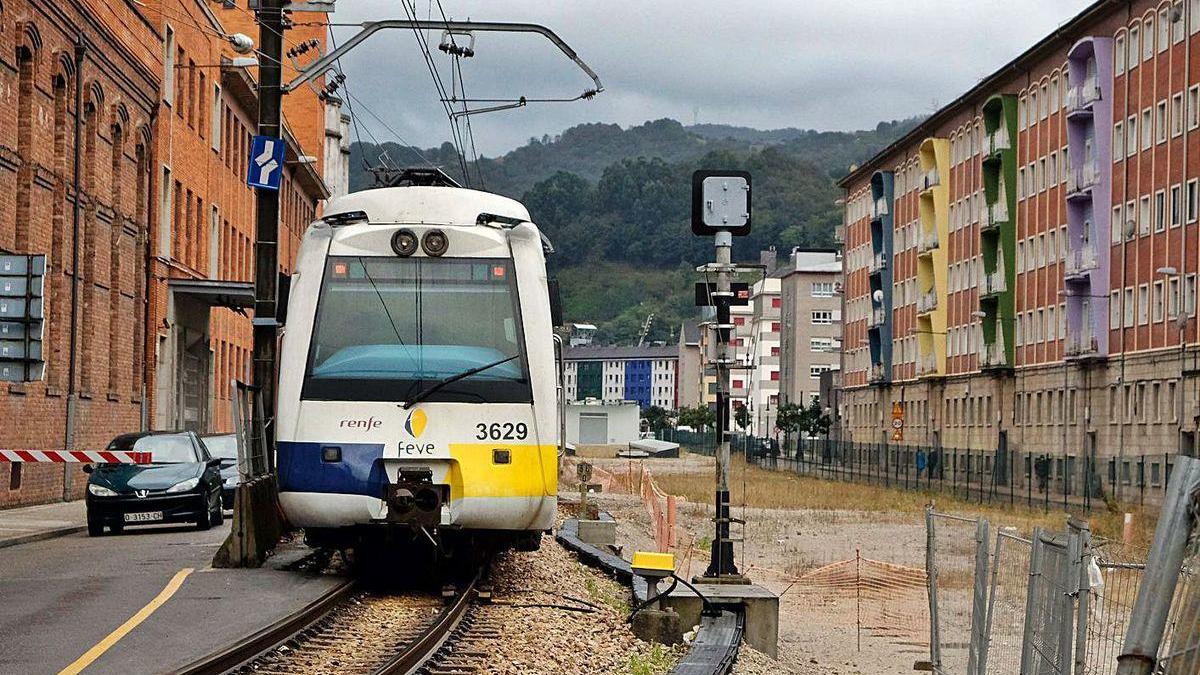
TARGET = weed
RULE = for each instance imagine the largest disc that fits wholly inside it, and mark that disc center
(605, 595)
(655, 660)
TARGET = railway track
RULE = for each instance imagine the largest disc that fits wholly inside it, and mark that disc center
(353, 631)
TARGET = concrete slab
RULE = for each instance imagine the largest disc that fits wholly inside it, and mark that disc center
(759, 605)
(45, 521)
(63, 596)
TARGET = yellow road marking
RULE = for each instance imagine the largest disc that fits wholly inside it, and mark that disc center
(112, 638)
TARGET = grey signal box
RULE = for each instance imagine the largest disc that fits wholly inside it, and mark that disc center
(22, 317)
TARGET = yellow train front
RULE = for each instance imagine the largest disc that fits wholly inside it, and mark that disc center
(418, 390)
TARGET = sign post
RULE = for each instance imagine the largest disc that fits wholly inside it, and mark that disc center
(721, 208)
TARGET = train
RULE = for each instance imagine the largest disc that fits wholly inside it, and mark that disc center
(420, 383)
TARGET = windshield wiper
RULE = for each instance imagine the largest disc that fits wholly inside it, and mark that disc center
(431, 389)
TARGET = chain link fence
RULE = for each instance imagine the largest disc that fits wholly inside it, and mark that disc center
(1000, 476)
(1055, 604)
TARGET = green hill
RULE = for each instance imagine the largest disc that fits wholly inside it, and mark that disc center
(615, 202)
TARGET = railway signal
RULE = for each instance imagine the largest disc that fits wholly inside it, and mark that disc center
(721, 208)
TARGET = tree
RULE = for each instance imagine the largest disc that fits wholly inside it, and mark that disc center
(700, 417)
(656, 418)
(741, 415)
(818, 422)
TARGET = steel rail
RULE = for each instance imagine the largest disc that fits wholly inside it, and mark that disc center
(272, 636)
(418, 652)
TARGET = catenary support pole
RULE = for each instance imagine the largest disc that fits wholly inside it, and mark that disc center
(266, 245)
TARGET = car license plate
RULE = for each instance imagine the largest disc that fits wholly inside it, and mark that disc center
(144, 517)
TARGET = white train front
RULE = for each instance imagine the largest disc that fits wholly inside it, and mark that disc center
(418, 384)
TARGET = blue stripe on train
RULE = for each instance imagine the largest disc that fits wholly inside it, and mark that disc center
(360, 472)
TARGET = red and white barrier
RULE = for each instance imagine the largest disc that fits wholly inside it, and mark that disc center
(80, 456)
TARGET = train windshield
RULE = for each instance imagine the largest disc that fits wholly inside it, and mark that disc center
(386, 328)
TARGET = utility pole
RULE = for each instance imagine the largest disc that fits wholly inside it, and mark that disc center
(721, 208)
(266, 244)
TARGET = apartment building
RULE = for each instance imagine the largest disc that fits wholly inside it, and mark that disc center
(643, 374)
(1020, 269)
(146, 247)
(811, 314)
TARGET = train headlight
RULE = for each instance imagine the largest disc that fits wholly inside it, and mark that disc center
(404, 243)
(435, 243)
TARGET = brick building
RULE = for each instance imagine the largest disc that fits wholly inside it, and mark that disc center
(1021, 267)
(161, 231)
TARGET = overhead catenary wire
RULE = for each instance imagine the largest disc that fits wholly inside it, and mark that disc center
(423, 45)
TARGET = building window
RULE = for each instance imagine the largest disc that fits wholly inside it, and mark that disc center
(820, 344)
(1131, 137)
(1193, 104)
(1172, 297)
(1116, 224)
(815, 371)
(775, 326)
(1189, 295)
(1160, 210)
(1134, 46)
(1176, 205)
(1119, 55)
(215, 118)
(822, 289)
(1147, 129)
(1129, 308)
(822, 317)
(1114, 310)
(168, 82)
(775, 302)
(774, 375)
(1143, 308)
(1191, 203)
(1160, 122)
(1177, 23)
(1118, 142)
(1148, 39)
(1177, 115)
(1157, 314)
(165, 210)
(1144, 216)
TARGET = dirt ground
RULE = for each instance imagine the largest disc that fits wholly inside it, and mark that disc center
(819, 622)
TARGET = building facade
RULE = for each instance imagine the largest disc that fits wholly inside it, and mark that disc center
(1021, 268)
(123, 161)
(646, 375)
(811, 313)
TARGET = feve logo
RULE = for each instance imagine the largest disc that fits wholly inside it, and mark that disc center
(416, 422)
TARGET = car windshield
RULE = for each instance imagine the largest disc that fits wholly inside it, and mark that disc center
(221, 447)
(387, 328)
(163, 448)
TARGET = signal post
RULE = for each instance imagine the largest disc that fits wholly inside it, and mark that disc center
(721, 208)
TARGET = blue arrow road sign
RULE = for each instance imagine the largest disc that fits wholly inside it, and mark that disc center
(266, 162)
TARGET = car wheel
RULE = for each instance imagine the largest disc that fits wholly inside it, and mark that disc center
(218, 512)
(95, 528)
(205, 520)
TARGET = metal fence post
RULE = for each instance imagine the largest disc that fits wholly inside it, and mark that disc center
(1149, 617)
(935, 647)
(1083, 593)
(991, 607)
(976, 654)
(1035, 571)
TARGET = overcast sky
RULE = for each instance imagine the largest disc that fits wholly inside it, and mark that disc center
(821, 64)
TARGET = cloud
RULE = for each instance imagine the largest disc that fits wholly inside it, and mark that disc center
(767, 64)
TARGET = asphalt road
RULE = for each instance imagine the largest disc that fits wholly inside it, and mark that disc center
(61, 597)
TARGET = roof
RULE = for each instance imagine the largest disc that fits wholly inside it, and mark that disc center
(690, 332)
(590, 353)
(986, 87)
(814, 261)
(415, 204)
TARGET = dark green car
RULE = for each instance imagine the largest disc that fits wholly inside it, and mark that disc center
(181, 484)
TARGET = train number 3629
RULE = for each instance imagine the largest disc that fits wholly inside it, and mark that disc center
(502, 431)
